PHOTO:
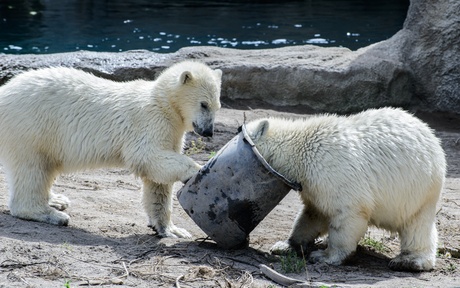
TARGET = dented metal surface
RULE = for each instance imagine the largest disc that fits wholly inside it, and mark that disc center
(233, 192)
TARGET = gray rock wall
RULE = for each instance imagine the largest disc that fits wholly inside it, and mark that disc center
(432, 52)
(416, 68)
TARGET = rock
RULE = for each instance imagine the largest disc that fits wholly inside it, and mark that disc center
(417, 68)
(432, 53)
(116, 66)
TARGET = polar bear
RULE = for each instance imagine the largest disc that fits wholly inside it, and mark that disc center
(382, 167)
(62, 120)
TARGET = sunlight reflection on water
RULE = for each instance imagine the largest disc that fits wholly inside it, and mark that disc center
(47, 26)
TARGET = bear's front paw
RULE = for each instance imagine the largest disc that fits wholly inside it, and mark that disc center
(180, 232)
(190, 173)
(280, 248)
(56, 218)
(172, 231)
(412, 263)
(317, 256)
(59, 202)
(184, 181)
(327, 257)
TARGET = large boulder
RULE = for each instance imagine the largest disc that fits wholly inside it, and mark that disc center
(416, 68)
(432, 53)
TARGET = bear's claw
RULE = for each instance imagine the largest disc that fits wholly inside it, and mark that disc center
(59, 202)
(171, 231)
(180, 232)
(280, 248)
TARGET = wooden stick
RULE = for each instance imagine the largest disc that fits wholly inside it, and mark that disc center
(277, 277)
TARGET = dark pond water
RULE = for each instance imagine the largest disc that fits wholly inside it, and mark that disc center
(51, 26)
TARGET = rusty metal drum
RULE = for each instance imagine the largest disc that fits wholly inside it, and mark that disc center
(233, 192)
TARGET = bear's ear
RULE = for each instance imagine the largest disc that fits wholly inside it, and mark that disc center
(218, 73)
(186, 77)
(261, 130)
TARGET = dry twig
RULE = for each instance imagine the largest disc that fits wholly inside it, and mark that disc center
(126, 270)
(246, 279)
(18, 264)
(305, 263)
(240, 261)
(452, 201)
(177, 280)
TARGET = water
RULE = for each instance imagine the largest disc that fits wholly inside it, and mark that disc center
(52, 26)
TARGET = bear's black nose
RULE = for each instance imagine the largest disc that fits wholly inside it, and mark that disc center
(207, 133)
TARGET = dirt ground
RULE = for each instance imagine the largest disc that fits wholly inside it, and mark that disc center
(108, 243)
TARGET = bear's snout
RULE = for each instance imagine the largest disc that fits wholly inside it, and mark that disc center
(208, 133)
(205, 132)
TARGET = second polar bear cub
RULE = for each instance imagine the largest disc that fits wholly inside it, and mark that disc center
(62, 120)
(382, 167)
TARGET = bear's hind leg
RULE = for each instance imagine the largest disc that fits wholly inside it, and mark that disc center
(418, 242)
(30, 183)
(157, 201)
(308, 225)
(345, 231)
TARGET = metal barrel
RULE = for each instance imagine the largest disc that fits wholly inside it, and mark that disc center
(233, 192)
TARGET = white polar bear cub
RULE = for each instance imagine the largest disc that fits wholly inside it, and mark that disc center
(61, 120)
(382, 167)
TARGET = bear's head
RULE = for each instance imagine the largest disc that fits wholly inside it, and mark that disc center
(194, 93)
(276, 141)
(272, 140)
(257, 130)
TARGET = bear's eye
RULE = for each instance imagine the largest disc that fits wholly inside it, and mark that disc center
(204, 105)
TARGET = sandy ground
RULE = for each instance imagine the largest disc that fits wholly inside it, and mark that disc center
(108, 243)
